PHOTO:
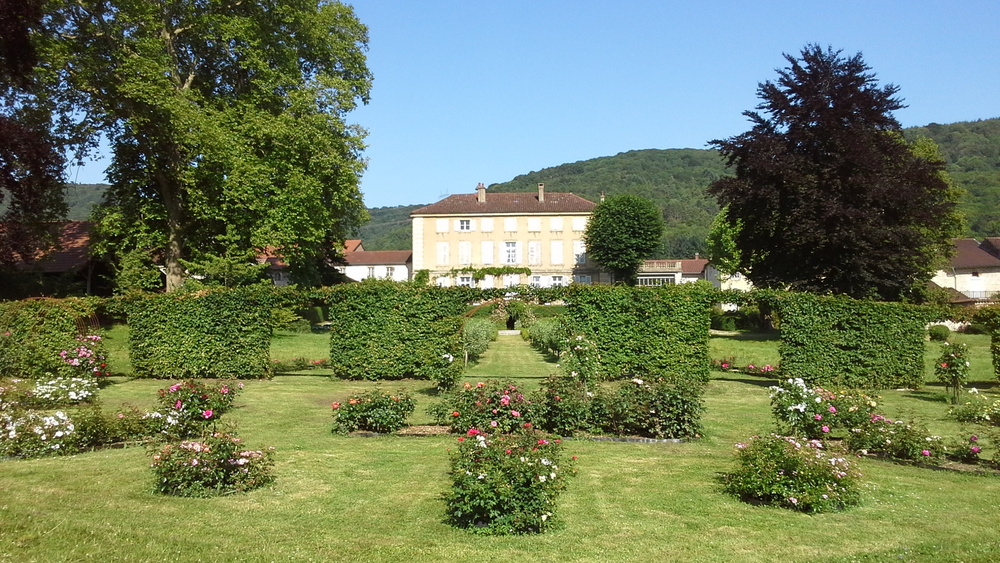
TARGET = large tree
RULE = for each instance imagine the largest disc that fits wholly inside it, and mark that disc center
(226, 120)
(827, 194)
(31, 166)
(623, 231)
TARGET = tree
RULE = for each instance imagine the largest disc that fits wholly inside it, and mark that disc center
(722, 250)
(31, 168)
(827, 194)
(226, 121)
(623, 231)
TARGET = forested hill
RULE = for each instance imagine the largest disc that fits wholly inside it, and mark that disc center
(675, 179)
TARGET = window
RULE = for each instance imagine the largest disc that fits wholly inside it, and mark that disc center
(390, 271)
(487, 252)
(556, 252)
(465, 224)
(486, 225)
(581, 279)
(442, 225)
(657, 280)
(579, 251)
(534, 224)
(557, 281)
(442, 253)
(579, 223)
(442, 281)
(465, 252)
(556, 224)
(534, 252)
(465, 281)
(371, 271)
(511, 253)
(510, 280)
(510, 224)
(536, 281)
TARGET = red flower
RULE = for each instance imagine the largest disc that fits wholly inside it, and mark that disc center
(456, 414)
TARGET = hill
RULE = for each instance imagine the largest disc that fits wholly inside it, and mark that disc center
(675, 179)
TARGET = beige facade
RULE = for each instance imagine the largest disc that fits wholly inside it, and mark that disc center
(542, 232)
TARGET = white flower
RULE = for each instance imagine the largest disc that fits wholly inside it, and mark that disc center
(637, 381)
(541, 478)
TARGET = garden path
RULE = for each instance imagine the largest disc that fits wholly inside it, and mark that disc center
(511, 357)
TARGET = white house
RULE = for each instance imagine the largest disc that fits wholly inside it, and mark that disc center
(974, 271)
(395, 265)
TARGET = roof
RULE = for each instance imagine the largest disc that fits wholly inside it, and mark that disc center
(73, 251)
(691, 266)
(499, 203)
(353, 245)
(378, 257)
(970, 254)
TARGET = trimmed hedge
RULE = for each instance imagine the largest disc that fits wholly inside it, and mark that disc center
(852, 344)
(204, 333)
(989, 318)
(653, 331)
(38, 330)
(390, 330)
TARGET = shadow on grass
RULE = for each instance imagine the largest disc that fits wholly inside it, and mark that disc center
(749, 336)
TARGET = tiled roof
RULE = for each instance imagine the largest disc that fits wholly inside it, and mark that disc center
(687, 266)
(378, 257)
(521, 202)
(970, 254)
(73, 253)
(353, 245)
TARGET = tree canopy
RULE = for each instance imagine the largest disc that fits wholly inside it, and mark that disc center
(226, 121)
(31, 166)
(623, 231)
(828, 195)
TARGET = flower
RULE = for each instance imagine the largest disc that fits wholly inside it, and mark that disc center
(825, 429)
(207, 413)
(456, 414)
(832, 408)
(973, 438)
(336, 405)
(975, 449)
(818, 417)
(925, 452)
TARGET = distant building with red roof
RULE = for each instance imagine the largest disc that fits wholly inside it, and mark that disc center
(974, 271)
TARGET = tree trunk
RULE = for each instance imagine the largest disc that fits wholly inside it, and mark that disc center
(174, 251)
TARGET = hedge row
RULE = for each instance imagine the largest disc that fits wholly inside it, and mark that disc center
(34, 331)
(204, 333)
(646, 331)
(843, 342)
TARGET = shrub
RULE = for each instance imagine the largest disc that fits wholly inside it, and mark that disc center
(188, 406)
(494, 405)
(895, 440)
(218, 464)
(579, 358)
(96, 428)
(979, 410)
(816, 412)
(374, 411)
(506, 483)
(548, 336)
(36, 434)
(58, 391)
(476, 336)
(36, 330)
(655, 409)
(87, 359)
(966, 450)
(565, 406)
(952, 368)
(795, 473)
(938, 333)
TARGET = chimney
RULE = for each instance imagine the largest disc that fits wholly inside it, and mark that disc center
(541, 192)
(481, 193)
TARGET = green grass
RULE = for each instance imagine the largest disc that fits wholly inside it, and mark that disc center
(343, 498)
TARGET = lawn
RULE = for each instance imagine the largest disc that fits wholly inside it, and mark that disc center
(345, 498)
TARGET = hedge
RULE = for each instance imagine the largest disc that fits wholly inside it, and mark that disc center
(34, 331)
(843, 342)
(647, 331)
(203, 333)
(389, 330)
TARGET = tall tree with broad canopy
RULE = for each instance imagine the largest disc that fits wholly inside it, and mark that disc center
(623, 231)
(828, 196)
(31, 166)
(226, 120)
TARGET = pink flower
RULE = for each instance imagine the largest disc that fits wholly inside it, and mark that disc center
(515, 413)
(207, 413)
(925, 452)
(832, 408)
(177, 405)
(818, 417)
(825, 429)
(973, 438)
(493, 423)
(975, 449)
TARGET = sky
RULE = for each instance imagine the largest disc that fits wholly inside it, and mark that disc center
(481, 91)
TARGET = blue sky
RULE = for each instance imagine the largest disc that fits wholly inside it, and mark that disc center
(475, 91)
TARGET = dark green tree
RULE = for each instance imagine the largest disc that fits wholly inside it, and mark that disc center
(828, 195)
(31, 166)
(226, 121)
(623, 231)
